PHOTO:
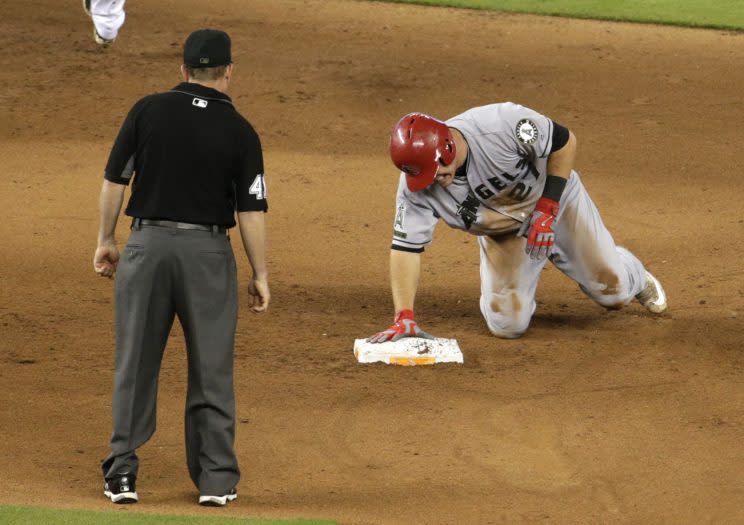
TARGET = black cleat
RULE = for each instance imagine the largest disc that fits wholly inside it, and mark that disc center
(121, 489)
(218, 501)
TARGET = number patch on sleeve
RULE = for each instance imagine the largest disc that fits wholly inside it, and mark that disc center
(258, 188)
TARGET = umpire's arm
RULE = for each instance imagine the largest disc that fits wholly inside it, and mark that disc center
(106, 256)
(253, 232)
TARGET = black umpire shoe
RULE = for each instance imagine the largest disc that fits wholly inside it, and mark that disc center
(121, 489)
(218, 501)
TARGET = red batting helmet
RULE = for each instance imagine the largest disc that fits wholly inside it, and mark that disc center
(417, 143)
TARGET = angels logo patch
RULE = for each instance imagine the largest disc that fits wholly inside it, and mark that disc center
(526, 131)
(400, 216)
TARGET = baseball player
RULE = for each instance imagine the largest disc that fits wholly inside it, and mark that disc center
(504, 173)
(194, 162)
(108, 16)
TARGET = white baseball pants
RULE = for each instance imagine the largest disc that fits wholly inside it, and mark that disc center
(584, 250)
(108, 17)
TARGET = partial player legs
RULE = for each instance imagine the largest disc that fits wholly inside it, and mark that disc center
(508, 283)
(585, 251)
(108, 17)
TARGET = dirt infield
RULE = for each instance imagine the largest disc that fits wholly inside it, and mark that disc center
(592, 417)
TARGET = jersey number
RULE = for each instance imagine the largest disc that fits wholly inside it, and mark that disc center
(519, 192)
(258, 188)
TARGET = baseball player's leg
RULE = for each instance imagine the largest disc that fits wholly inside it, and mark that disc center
(508, 284)
(108, 17)
(207, 306)
(585, 251)
(144, 316)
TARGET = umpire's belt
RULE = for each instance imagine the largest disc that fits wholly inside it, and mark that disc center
(137, 223)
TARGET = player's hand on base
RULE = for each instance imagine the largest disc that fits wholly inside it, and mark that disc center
(538, 228)
(259, 295)
(404, 326)
(105, 259)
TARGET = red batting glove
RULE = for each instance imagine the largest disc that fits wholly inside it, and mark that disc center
(538, 228)
(404, 326)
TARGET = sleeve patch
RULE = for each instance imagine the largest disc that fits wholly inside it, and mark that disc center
(400, 217)
(258, 188)
(526, 131)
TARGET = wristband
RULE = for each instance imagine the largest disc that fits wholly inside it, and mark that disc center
(404, 314)
(547, 206)
(554, 187)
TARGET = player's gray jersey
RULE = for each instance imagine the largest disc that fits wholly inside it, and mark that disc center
(506, 170)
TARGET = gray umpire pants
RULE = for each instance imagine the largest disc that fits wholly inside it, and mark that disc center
(165, 272)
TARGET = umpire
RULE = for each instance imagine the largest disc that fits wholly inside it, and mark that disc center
(193, 161)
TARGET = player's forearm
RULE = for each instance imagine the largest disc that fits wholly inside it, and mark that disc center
(110, 201)
(405, 268)
(252, 226)
(561, 162)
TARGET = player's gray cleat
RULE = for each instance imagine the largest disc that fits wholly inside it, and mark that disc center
(653, 297)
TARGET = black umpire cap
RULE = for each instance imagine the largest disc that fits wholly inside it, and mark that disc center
(207, 48)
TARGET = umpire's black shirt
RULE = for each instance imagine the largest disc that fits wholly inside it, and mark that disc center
(193, 156)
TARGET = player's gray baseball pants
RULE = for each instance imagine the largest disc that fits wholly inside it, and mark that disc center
(165, 272)
(584, 250)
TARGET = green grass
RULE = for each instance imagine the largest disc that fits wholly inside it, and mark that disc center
(35, 515)
(722, 14)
